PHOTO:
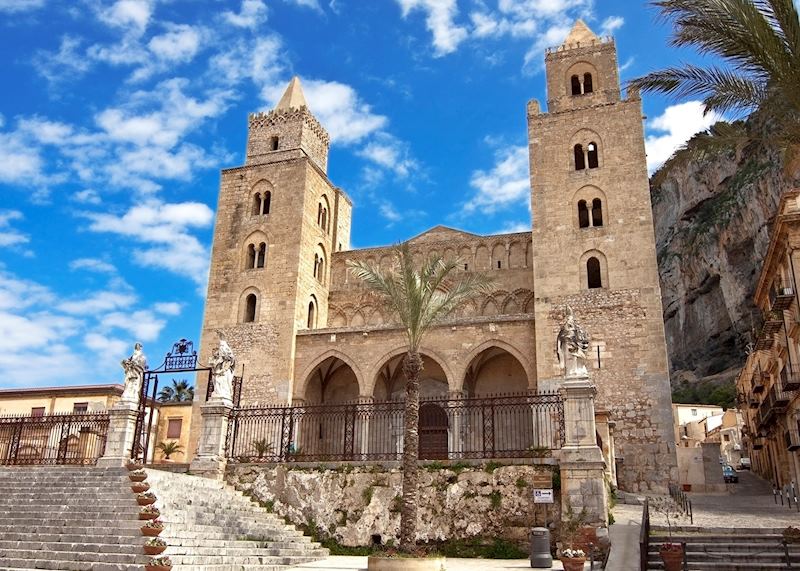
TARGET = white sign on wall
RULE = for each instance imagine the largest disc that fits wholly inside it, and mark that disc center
(543, 496)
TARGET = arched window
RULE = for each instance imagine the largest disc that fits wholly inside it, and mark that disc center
(323, 214)
(319, 214)
(593, 275)
(583, 214)
(262, 255)
(316, 266)
(312, 313)
(273, 144)
(575, 82)
(266, 204)
(580, 162)
(257, 204)
(592, 155)
(587, 83)
(597, 212)
(250, 308)
(251, 256)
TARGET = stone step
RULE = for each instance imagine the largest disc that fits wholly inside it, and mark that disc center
(77, 556)
(743, 547)
(32, 510)
(7, 531)
(721, 566)
(73, 537)
(44, 563)
(90, 547)
(236, 560)
(71, 521)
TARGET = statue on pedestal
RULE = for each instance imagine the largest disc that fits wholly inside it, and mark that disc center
(134, 367)
(572, 345)
(222, 363)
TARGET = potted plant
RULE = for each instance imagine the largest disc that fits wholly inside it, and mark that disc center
(149, 512)
(791, 535)
(671, 553)
(152, 528)
(154, 546)
(572, 558)
(263, 448)
(145, 498)
(168, 448)
(137, 475)
(140, 487)
(158, 564)
(134, 465)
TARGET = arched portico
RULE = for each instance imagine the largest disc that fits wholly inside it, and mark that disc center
(387, 379)
(495, 366)
(332, 377)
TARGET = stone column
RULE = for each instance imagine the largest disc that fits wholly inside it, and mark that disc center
(121, 430)
(210, 460)
(362, 428)
(581, 460)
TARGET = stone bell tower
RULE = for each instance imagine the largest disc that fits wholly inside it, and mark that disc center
(594, 250)
(279, 219)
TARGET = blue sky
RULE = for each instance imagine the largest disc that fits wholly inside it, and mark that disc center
(115, 118)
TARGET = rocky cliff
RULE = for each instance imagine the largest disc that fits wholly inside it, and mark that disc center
(712, 221)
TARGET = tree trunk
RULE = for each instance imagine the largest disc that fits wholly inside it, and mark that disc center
(412, 365)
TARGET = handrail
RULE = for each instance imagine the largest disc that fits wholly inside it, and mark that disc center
(644, 536)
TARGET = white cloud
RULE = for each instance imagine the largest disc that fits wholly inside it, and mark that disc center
(673, 128)
(514, 227)
(10, 236)
(180, 43)
(142, 324)
(92, 265)
(164, 230)
(440, 20)
(98, 302)
(389, 153)
(87, 196)
(506, 184)
(20, 5)
(19, 162)
(388, 211)
(252, 14)
(313, 4)
(168, 308)
(611, 24)
(66, 63)
(130, 14)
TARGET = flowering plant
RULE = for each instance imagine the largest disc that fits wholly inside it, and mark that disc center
(160, 562)
(151, 509)
(145, 495)
(138, 472)
(791, 534)
(155, 524)
(156, 542)
(572, 553)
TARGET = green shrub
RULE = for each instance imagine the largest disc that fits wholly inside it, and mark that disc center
(496, 499)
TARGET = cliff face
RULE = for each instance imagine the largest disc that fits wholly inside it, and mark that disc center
(712, 231)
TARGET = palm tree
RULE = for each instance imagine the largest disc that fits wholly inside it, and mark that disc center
(758, 42)
(169, 447)
(419, 297)
(179, 391)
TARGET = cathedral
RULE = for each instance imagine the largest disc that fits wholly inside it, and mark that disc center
(307, 332)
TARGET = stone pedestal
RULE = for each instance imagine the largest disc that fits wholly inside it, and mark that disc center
(121, 430)
(210, 460)
(583, 482)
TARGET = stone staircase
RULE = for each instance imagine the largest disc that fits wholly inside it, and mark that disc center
(86, 518)
(723, 549)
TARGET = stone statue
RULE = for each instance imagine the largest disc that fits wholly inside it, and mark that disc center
(134, 367)
(222, 363)
(571, 347)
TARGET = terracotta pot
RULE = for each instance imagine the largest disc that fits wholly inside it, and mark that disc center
(131, 466)
(687, 487)
(151, 531)
(140, 487)
(157, 567)
(137, 477)
(154, 549)
(153, 515)
(145, 501)
(673, 559)
(573, 563)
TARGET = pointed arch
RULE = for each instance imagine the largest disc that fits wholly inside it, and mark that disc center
(304, 377)
(519, 355)
(377, 365)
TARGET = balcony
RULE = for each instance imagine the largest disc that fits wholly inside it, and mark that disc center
(773, 321)
(792, 438)
(790, 378)
(781, 298)
(759, 381)
(752, 401)
(758, 443)
(766, 414)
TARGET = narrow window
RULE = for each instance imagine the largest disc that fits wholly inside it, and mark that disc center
(257, 204)
(580, 162)
(316, 266)
(37, 411)
(583, 214)
(597, 212)
(324, 223)
(174, 426)
(250, 308)
(466, 267)
(80, 407)
(576, 85)
(251, 256)
(319, 214)
(311, 312)
(340, 246)
(273, 143)
(262, 255)
(321, 270)
(587, 83)
(593, 273)
(593, 163)
(267, 200)
(499, 264)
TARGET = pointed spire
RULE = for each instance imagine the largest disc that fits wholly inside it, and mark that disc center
(293, 97)
(580, 34)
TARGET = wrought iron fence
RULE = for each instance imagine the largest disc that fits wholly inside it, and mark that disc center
(503, 426)
(237, 388)
(53, 439)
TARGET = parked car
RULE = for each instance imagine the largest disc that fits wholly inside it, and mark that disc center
(744, 464)
(729, 475)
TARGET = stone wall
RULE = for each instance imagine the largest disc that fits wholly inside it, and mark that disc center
(354, 503)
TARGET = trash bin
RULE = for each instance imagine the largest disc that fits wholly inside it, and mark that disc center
(540, 548)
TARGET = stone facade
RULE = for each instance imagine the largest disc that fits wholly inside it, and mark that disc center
(311, 333)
